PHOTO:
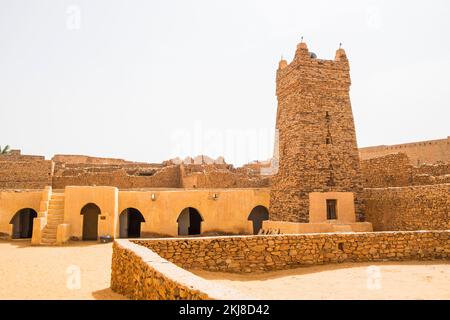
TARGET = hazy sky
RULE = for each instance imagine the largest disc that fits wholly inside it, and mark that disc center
(150, 80)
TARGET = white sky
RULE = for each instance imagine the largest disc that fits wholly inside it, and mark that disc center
(150, 80)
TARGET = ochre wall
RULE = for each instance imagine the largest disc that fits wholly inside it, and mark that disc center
(228, 213)
(430, 151)
(11, 202)
(106, 198)
(345, 206)
(408, 208)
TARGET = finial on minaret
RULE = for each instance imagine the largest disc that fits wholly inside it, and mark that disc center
(283, 63)
(340, 53)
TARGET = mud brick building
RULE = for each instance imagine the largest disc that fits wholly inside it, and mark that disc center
(317, 150)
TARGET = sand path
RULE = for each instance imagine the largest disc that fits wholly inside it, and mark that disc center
(28, 272)
(395, 280)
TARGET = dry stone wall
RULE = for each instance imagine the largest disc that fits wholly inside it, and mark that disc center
(25, 174)
(408, 208)
(139, 273)
(244, 254)
(317, 149)
(123, 177)
(395, 170)
(221, 176)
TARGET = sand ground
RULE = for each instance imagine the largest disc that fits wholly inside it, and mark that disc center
(385, 280)
(28, 272)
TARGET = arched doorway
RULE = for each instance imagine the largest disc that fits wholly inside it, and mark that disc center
(130, 221)
(189, 222)
(22, 223)
(257, 216)
(90, 214)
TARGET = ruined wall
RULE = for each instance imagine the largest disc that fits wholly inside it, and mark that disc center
(317, 147)
(80, 159)
(141, 274)
(221, 176)
(395, 170)
(278, 252)
(408, 208)
(117, 176)
(421, 152)
(25, 172)
(392, 170)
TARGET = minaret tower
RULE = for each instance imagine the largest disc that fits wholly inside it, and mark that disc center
(317, 149)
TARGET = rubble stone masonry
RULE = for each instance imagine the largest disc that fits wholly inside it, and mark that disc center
(24, 172)
(139, 273)
(317, 149)
(241, 254)
(395, 170)
(408, 208)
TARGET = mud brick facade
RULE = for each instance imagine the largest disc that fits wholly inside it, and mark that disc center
(317, 150)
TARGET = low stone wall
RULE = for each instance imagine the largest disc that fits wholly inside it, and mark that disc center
(139, 273)
(408, 208)
(276, 252)
(286, 227)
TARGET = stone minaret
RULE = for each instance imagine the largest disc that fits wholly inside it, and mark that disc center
(317, 147)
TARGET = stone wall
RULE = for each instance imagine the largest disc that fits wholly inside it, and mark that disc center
(408, 208)
(25, 173)
(79, 159)
(122, 177)
(395, 170)
(276, 252)
(431, 151)
(139, 273)
(221, 176)
(317, 149)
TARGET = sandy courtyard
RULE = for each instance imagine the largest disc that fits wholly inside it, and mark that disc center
(28, 272)
(387, 280)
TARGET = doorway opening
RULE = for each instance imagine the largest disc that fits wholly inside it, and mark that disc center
(90, 213)
(22, 223)
(189, 222)
(257, 216)
(130, 223)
